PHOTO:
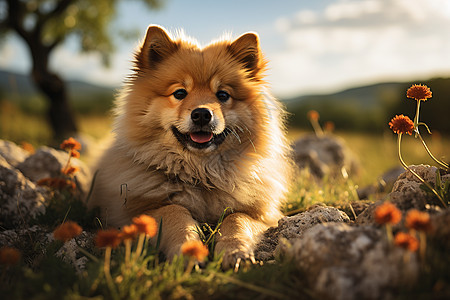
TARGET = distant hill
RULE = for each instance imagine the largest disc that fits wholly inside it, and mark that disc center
(85, 97)
(366, 96)
(371, 107)
(15, 83)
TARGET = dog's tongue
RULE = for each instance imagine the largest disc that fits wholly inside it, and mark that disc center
(201, 137)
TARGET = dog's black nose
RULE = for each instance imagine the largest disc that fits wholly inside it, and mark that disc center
(201, 116)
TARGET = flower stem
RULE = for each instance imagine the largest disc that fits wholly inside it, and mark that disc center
(416, 119)
(189, 267)
(399, 140)
(440, 163)
(316, 126)
(127, 253)
(106, 269)
(422, 244)
(68, 162)
(389, 234)
(139, 246)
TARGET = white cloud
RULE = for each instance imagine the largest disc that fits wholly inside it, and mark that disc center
(352, 42)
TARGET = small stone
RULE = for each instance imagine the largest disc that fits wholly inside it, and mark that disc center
(325, 155)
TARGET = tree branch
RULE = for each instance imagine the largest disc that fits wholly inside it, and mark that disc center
(60, 7)
(55, 43)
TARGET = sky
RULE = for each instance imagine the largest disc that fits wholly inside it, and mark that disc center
(313, 46)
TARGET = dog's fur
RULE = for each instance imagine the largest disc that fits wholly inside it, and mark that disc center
(153, 165)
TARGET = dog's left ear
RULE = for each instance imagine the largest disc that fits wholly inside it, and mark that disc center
(247, 51)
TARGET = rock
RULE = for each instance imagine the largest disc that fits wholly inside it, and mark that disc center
(384, 184)
(359, 207)
(70, 251)
(291, 228)
(20, 198)
(48, 162)
(35, 240)
(12, 153)
(407, 193)
(324, 155)
(344, 262)
(12, 237)
(441, 229)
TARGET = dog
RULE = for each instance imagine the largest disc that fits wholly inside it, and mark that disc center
(195, 133)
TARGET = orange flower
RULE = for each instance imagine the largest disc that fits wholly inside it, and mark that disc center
(145, 224)
(418, 220)
(129, 232)
(407, 241)
(70, 144)
(401, 124)
(9, 256)
(28, 147)
(70, 170)
(108, 238)
(329, 126)
(57, 183)
(313, 115)
(419, 92)
(387, 213)
(195, 249)
(67, 231)
(75, 153)
(44, 181)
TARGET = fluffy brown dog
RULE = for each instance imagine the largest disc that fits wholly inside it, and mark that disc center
(195, 133)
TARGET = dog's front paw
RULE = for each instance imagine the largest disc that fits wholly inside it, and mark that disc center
(234, 254)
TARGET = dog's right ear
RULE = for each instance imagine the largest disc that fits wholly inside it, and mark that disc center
(156, 47)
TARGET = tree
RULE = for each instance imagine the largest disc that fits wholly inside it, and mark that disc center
(44, 25)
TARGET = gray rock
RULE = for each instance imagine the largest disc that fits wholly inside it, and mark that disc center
(48, 162)
(13, 237)
(70, 251)
(407, 194)
(20, 198)
(292, 228)
(384, 184)
(12, 153)
(344, 262)
(441, 229)
(324, 155)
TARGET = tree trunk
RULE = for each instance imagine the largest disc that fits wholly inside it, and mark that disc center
(60, 114)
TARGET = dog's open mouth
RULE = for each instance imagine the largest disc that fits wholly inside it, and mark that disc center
(200, 139)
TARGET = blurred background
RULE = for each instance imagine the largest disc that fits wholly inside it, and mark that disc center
(62, 61)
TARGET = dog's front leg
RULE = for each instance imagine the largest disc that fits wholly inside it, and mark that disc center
(239, 234)
(178, 226)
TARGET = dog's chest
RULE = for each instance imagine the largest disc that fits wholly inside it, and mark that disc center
(206, 205)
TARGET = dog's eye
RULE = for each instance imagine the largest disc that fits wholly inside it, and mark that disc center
(180, 94)
(222, 96)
